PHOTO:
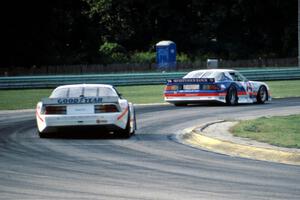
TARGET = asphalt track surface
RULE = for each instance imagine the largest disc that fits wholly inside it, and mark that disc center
(150, 165)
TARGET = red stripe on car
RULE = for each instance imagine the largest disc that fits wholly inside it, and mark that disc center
(123, 113)
(38, 115)
(195, 94)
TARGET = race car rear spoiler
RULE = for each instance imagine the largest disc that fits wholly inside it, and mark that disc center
(80, 100)
(191, 80)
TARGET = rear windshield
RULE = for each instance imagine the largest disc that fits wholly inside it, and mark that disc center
(205, 74)
(194, 74)
(83, 92)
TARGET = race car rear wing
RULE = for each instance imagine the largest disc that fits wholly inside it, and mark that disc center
(80, 100)
(190, 81)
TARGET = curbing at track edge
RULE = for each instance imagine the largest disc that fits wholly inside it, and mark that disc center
(192, 136)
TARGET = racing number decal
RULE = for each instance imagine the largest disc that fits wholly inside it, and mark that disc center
(249, 88)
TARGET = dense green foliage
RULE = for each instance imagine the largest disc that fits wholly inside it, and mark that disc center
(143, 57)
(80, 31)
(112, 52)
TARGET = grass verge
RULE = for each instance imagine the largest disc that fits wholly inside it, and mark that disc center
(143, 94)
(279, 131)
(282, 89)
(27, 98)
(21, 99)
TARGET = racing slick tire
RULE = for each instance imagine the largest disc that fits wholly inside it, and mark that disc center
(135, 124)
(262, 95)
(231, 97)
(43, 135)
(126, 132)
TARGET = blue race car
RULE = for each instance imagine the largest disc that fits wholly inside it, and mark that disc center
(218, 85)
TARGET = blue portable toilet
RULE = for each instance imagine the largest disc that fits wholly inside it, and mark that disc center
(166, 54)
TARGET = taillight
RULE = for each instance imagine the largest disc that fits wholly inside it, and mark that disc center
(55, 110)
(106, 108)
(171, 87)
(210, 87)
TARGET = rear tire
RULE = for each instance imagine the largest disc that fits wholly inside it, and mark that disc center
(262, 95)
(126, 133)
(43, 135)
(231, 97)
(135, 124)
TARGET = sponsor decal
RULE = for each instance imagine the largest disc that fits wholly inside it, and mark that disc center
(79, 100)
(99, 121)
(249, 87)
(192, 80)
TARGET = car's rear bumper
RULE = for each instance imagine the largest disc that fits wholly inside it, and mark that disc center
(194, 99)
(85, 129)
(109, 121)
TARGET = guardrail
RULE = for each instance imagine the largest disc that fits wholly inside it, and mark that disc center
(18, 82)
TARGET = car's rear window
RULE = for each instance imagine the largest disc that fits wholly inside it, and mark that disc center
(204, 74)
(194, 74)
(208, 75)
(75, 92)
(91, 91)
(83, 91)
(62, 92)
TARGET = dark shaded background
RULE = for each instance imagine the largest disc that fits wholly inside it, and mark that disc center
(71, 31)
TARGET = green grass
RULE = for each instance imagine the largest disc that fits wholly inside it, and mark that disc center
(281, 89)
(143, 94)
(21, 99)
(279, 131)
(27, 98)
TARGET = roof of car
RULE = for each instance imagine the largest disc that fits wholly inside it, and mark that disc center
(213, 70)
(207, 73)
(84, 85)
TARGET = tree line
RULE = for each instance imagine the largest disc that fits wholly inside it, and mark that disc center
(56, 32)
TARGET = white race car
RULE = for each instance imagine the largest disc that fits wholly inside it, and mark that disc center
(218, 85)
(85, 106)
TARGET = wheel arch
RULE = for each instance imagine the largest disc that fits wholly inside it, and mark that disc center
(267, 89)
(228, 101)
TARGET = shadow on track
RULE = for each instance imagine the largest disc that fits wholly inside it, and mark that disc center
(79, 133)
(217, 104)
(158, 108)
